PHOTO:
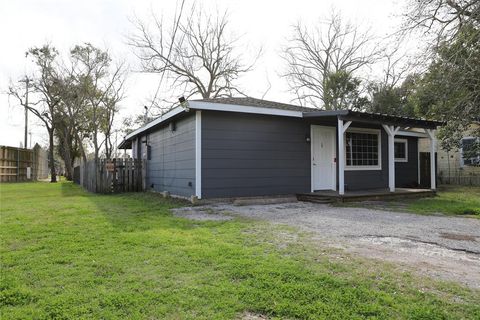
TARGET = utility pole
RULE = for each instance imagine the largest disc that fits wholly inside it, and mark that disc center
(26, 111)
(25, 141)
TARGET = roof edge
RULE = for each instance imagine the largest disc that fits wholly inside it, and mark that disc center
(215, 106)
(374, 117)
(157, 121)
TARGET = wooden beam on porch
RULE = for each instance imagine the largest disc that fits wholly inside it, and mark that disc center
(341, 154)
(391, 131)
(433, 169)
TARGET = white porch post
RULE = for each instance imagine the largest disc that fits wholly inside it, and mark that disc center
(391, 131)
(433, 169)
(198, 154)
(341, 155)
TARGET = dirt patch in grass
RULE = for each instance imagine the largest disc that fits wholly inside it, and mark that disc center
(252, 316)
(200, 214)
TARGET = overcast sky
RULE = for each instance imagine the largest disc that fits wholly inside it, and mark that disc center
(106, 23)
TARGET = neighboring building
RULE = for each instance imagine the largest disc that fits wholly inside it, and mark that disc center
(460, 166)
(233, 147)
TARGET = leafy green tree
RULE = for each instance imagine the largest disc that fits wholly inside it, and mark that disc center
(450, 89)
(45, 85)
(393, 99)
(342, 91)
(99, 84)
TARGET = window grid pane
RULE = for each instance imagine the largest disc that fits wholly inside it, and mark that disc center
(400, 150)
(361, 149)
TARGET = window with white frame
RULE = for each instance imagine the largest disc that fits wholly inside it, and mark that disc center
(362, 149)
(401, 150)
(470, 151)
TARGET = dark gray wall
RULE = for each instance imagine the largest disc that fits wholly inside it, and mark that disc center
(369, 179)
(172, 163)
(253, 155)
(406, 173)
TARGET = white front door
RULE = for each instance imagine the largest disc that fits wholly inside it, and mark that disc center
(323, 158)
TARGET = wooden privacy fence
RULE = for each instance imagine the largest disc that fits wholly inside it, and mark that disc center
(18, 164)
(112, 175)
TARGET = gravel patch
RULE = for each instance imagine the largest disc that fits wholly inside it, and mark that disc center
(440, 246)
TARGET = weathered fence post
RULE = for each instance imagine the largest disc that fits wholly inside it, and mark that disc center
(112, 176)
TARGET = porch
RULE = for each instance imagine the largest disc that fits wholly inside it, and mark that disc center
(372, 151)
(329, 196)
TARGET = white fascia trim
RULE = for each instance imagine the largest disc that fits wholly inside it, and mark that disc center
(159, 120)
(201, 105)
(411, 134)
(198, 154)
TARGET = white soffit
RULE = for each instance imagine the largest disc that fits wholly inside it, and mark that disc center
(153, 123)
(201, 105)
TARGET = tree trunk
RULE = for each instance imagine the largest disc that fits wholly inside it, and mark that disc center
(53, 173)
(84, 158)
(107, 147)
(67, 155)
(96, 149)
(68, 166)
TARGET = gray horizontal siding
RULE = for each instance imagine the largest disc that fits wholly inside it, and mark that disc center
(253, 155)
(369, 179)
(172, 163)
(406, 173)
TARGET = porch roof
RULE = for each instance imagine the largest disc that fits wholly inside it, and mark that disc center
(377, 118)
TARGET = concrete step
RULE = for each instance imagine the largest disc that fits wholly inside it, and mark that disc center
(315, 198)
(244, 201)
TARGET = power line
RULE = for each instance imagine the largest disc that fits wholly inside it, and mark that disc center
(176, 25)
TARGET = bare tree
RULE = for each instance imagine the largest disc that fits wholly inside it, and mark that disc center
(45, 85)
(197, 54)
(442, 18)
(396, 67)
(331, 47)
(110, 111)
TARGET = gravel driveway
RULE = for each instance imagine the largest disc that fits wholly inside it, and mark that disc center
(439, 246)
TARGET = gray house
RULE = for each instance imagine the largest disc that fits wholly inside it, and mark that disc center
(243, 147)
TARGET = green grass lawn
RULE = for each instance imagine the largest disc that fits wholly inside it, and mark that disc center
(67, 254)
(449, 200)
(452, 200)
